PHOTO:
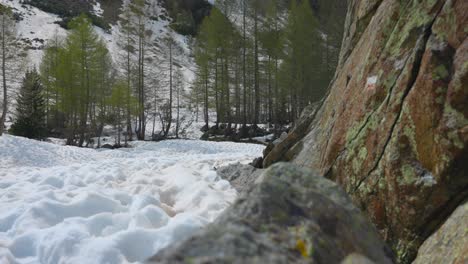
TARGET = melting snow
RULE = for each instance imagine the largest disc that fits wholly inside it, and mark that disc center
(371, 82)
(427, 180)
(97, 10)
(63, 204)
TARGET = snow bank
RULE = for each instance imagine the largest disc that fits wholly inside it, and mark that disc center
(68, 205)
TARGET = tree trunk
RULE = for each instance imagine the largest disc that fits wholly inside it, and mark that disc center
(4, 81)
(244, 61)
(169, 121)
(256, 71)
(206, 99)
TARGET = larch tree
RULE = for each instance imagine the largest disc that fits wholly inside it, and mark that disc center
(126, 41)
(138, 9)
(48, 71)
(202, 58)
(79, 70)
(84, 47)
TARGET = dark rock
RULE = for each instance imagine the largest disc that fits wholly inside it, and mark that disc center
(158, 137)
(257, 163)
(107, 146)
(205, 136)
(205, 128)
(242, 177)
(291, 216)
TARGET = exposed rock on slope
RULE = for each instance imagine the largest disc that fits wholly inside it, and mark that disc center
(291, 216)
(394, 129)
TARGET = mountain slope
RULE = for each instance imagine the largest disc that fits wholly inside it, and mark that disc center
(36, 27)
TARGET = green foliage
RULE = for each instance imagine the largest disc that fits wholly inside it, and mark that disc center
(76, 73)
(184, 24)
(5, 10)
(272, 68)
(187, 15)
(302, 61)
(30, 110)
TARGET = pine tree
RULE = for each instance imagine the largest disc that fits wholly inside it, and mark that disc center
(303, 47)
(30, 111)
(272, 43)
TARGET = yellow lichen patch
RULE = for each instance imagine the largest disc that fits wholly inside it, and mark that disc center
(302, 248)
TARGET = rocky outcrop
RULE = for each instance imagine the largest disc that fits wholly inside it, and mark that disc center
(291, 216)
(288, 147)
(450, 243)
(393, 130)
(242, 177)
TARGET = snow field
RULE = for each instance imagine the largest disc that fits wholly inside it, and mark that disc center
(63, 204)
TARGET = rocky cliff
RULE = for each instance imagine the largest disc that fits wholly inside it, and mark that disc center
(393, 130)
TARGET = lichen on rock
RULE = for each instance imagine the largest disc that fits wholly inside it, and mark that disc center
(291, 216)
(399, 147)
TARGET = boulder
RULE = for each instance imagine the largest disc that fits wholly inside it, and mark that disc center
(257, 163)
(393, 130)
(107, 146)
(284, 149)
(291, 215)
(450, 243)
(242, 177)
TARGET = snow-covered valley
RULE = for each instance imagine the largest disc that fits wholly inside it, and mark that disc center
(62, 204)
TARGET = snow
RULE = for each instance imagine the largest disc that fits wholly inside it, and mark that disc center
(372, 80)
(427, 180)
(97, 10)
(35, 27)
(62, 204)
(371, 83)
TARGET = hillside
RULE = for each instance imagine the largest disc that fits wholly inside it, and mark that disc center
(40, 21)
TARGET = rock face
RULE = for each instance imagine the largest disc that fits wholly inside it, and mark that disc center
(291, 216)
(393, 130)
(450, 243)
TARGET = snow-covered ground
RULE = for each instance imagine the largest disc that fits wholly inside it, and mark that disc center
(63, 204)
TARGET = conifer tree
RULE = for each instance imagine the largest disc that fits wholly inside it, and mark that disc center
(117, 103)
(48, 71)
(302, 53)
(80, 77)
(30, 110)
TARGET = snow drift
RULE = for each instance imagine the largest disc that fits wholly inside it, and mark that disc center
(63, 204)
